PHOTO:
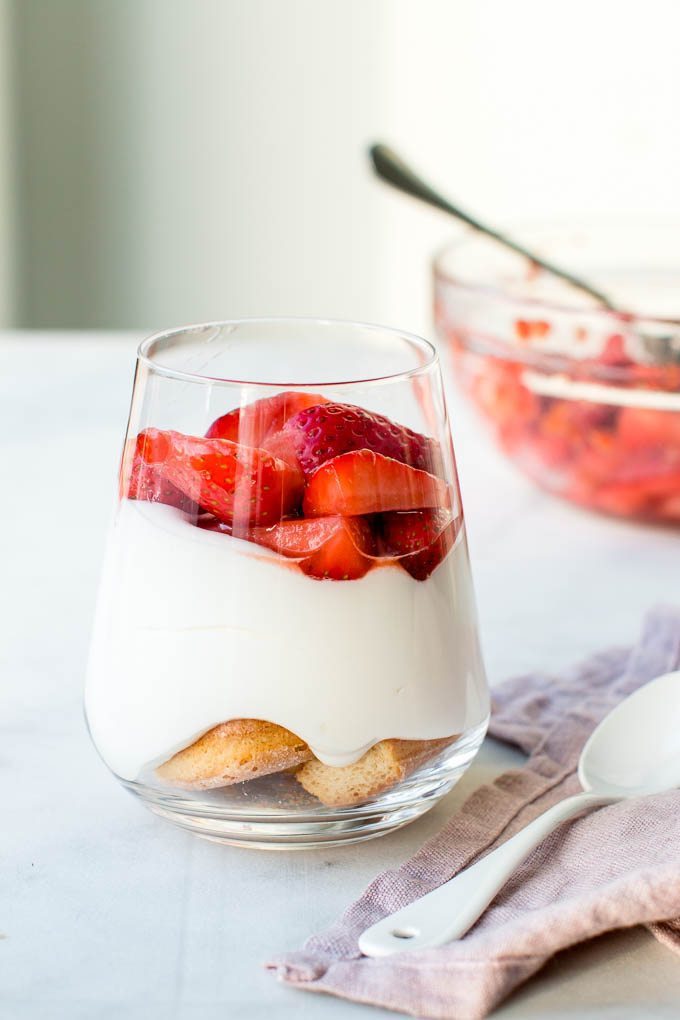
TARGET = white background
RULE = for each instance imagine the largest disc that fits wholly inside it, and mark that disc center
(176, 160)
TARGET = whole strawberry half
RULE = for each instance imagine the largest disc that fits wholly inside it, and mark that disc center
(250, 425)
(364, 482)
(317, 434)
(419, 538)
(334, 548)
(239, 485)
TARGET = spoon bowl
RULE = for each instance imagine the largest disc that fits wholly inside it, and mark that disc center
(635, 750)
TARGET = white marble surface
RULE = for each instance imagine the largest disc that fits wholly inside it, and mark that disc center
(108, 911)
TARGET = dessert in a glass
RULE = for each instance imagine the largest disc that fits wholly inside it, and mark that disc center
(285, 649)
(583, 398)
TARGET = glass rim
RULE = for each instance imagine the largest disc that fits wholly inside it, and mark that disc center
(145, 357)
(497, 292)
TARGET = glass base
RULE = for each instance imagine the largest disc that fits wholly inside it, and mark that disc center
(262, 815)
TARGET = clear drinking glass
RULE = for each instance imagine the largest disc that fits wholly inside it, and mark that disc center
(285, 649)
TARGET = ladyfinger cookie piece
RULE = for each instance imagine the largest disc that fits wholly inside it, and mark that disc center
(232, 753)
(385, 765)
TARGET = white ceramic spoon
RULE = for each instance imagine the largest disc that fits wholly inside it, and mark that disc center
(635, 751)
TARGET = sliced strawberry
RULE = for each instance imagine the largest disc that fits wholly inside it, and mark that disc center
(337, 548)
(147, 483)
(647, 427)
(614, 353)
(419, 538)
(317, 434)
(500, 393)
(238, 485)
(636, 497)
(142, 481)
(250, 425)
(364, 482)
(532, 329)
(669, 509)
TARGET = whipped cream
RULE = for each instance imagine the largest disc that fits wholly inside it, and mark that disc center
(194, 628)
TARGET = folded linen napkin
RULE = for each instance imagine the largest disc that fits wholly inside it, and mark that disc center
(614, 868)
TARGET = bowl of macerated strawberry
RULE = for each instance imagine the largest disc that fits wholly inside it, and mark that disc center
(583, 396)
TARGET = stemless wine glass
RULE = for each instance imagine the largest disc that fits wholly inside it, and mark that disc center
(285, 650)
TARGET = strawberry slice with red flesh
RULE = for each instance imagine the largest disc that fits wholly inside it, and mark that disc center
(147, 483)
(318, 434)
(250, 425)
(364, 482)
(334, 548)
(420, 539)
(643, 427)
(239, 485)
(636, 497)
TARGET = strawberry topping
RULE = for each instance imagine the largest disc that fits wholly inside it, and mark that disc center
(647, 428)
(335, 548)
(359, 479)
(364, 482)
(252, 424)
(317, 434)
(419, 538)
(147, 483)
(239, 485)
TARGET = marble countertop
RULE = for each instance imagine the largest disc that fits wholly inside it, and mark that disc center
(107, 911)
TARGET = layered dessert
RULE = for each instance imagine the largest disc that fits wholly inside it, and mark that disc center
(288, 593)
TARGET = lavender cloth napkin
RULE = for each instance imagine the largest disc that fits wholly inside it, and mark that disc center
(614, 868)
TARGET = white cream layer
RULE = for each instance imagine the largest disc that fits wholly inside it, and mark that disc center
(194, 628)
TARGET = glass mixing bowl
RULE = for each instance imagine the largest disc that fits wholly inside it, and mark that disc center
(585, 400)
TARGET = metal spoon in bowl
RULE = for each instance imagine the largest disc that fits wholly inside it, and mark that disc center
(634, 752)
(390, 167)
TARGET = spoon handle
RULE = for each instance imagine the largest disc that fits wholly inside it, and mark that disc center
(446, 913)
(392, 169)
